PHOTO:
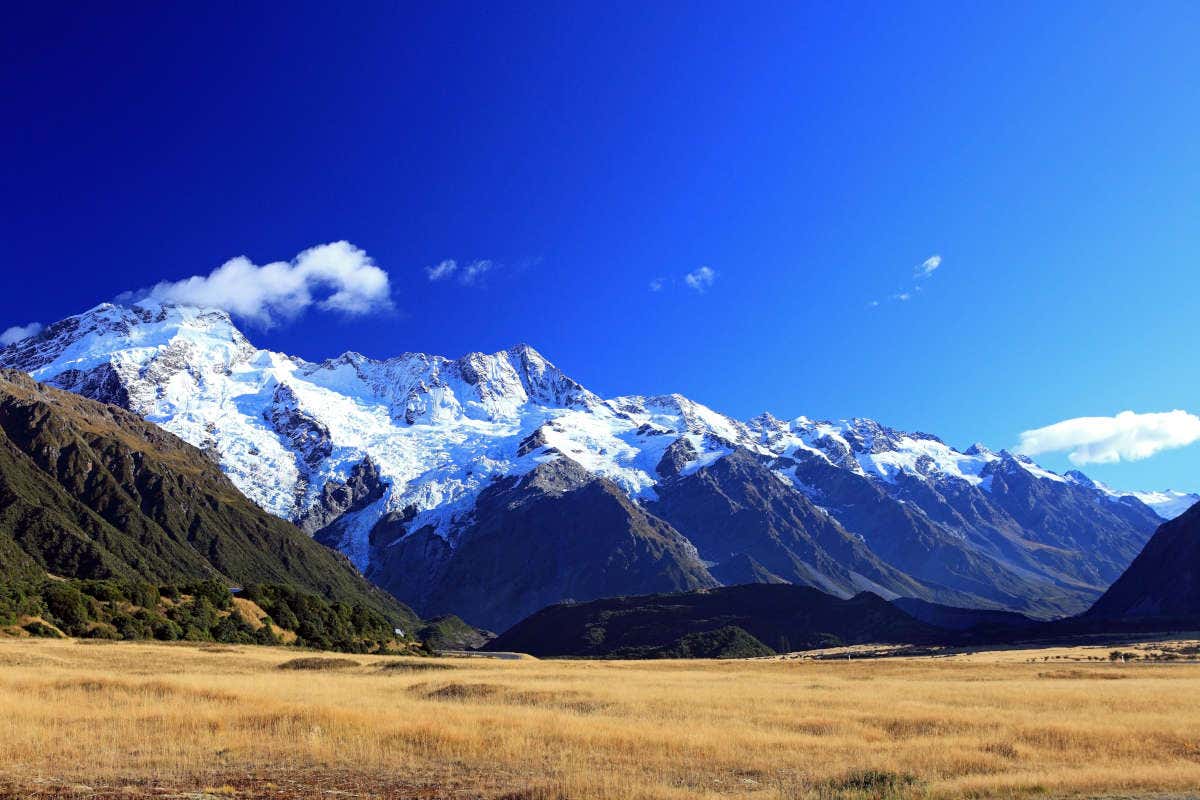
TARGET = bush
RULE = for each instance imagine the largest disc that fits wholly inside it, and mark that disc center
(100, 630)
(19, 601)
(41, 629)
(143, 594)
(214, 591)
(67, 606)
(106, 591)
(130, 627)
(165, 630)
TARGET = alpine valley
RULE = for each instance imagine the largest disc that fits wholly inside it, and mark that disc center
(492, 486)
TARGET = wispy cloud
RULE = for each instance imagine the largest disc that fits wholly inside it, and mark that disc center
(700, 279)
(1106, 440)
(927, 267)
(442, 270)
(332, 277)
(470, 274)
(18, 332)
(473, 273)
(920, 272)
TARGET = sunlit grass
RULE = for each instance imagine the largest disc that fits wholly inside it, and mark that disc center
(186, 717)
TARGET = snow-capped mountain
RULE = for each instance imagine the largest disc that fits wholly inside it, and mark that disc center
(1168, 504)
(375, 457)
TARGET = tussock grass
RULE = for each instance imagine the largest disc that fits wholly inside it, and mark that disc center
(415, 665)
(317, 663)
(171, 721)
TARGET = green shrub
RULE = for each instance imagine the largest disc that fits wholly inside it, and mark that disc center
(106, 591)
(100, 630)
(143, 594)
(41, 629)
(165, 630)
(214, 591)
(130, 627)
(67, 606)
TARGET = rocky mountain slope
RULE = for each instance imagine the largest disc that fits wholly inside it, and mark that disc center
(431, 473)
(1163, 581)
(89, 490)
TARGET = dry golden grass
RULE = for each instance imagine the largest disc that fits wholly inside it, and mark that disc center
(130, 719)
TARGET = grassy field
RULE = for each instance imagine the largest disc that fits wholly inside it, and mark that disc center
(131, 719)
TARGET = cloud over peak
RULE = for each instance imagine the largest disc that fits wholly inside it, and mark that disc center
(1107, 440)
(332, 277)
(18, 332)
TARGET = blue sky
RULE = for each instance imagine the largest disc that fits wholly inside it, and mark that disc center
(812, 158)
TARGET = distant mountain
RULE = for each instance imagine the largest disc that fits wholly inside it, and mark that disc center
(1163, 581)
(89, 490)
(963, 619)
(431, 475)
(1168, 503)
(736, 621)
(556, 532)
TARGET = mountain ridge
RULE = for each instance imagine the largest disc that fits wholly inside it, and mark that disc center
(366, 453)
(92, 491)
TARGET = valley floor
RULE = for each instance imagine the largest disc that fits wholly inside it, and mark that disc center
(89, 720)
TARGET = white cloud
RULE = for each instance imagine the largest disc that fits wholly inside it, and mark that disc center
(473, 273)
(902, 296)
(873, 304)
(18, 332)
(469, 275)
(700, 279)
(657, 285)
(442, 270)
(1107, 440)
(333, 277)
(927, 267)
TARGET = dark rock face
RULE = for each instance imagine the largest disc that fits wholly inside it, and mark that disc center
(533, 442)
(554, 534)
(676, 457)
(1163, 581)
(737, 506)
(363, 487)
(100, 383)
(306, 436)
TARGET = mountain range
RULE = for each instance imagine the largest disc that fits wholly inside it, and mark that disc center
(493, 485)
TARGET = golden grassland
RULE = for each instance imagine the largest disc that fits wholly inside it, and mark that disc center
(79, 719)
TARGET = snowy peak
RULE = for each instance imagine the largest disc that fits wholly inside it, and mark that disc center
(84, 340)
(866, 447)
(1167, 504)
(422, 388)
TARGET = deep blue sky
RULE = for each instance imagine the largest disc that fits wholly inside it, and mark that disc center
(811, 156)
